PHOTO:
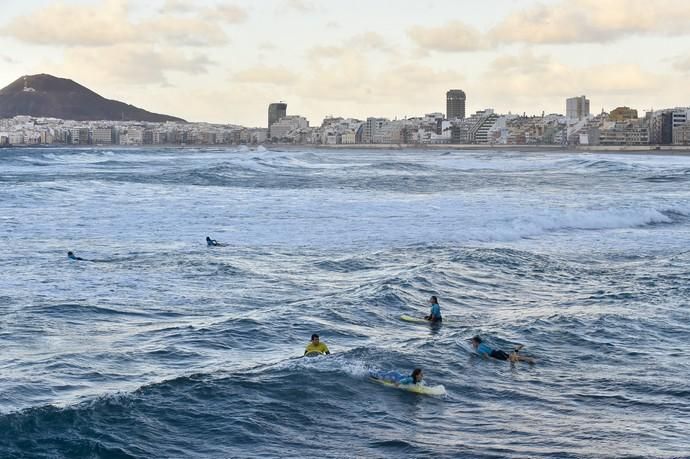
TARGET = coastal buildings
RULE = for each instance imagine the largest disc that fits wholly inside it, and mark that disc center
(621, 126)
(623, 114)
(577, 108)
(455, 104)
(291, 129)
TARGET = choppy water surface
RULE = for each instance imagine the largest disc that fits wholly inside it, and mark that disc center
(162, 347)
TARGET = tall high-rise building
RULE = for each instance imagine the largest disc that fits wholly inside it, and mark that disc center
(276, 112)
(577, 108)
(455, 104)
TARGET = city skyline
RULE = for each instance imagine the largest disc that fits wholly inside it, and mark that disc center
(225, 62)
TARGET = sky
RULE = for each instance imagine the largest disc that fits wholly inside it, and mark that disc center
(225, 61)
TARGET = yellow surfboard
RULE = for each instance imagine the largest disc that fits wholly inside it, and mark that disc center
(416, 388)
(419, 320)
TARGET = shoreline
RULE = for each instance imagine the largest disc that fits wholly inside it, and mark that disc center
(639, 149)
(663, 150)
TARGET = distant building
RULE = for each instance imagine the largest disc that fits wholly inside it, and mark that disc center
(102, 135)
(348, 138)
(577, 108)
(681, 134)
(276, 112)
(455, 104)
(629, 132)
(663, 124)
(372, 128)
(285, 129)
(623, 114)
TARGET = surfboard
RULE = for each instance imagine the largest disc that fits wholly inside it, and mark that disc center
(419, 320)
(313, 354)
(416, 388)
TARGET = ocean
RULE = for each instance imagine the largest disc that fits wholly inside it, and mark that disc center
(157, 346)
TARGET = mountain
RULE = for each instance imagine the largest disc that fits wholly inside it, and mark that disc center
(48, 96)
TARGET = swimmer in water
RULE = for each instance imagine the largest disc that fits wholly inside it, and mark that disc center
(71, 256)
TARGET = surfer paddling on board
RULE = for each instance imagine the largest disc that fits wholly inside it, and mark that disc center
(435, 312)
(417, 377)
(486, 351)
(316, 346)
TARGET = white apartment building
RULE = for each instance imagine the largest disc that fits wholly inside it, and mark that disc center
(102, 135)
(132, 136)
(348, 138)
(282, 129)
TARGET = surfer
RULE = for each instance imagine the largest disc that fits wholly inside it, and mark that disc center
(71, 256)
(396, 378)
(486, 351)
(212, 242)
(435, 313)
(316, 346)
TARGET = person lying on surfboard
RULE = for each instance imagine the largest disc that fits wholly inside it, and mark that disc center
(316, 346)
(486, 351)
(396, 378)
(435, 313)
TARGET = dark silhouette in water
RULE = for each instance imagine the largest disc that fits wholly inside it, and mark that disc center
(71, 256)
(213, 243)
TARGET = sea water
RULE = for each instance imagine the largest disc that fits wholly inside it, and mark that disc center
(159, 346)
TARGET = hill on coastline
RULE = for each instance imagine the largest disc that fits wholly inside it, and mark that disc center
(44, 95)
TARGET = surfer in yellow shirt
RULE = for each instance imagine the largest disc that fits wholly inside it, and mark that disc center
(316, 346)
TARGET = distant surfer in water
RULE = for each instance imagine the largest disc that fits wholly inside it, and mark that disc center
(396, 378)
(486, 351)
(71, 256)
(212, 242)
(435, 313)
(316, 346)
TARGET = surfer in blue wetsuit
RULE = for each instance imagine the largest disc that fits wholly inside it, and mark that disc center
(71, 256)
(398, 378)
(435, 313)
(486, 351)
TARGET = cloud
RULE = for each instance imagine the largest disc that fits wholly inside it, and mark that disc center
(262, 74)
(267, 46)
(454, 36)
(564, 22)
(65, 24)
(109, 24)
(176, 6)
(182, 31)
(130, 65)
(300, 6)
(349, 83)
(682, 64)
(531, 81)
(371, 41)
(326, 52)
(227, 13)
(360, 43)
(592, 21)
